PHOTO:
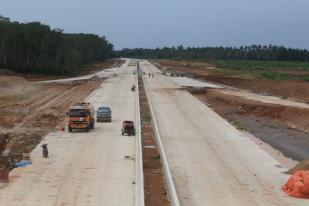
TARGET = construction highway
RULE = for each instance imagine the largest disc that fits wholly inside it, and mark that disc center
(211, 163)
(96, 168)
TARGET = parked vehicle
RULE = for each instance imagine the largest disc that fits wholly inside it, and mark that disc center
(104, 114)
(128, 128)
(81, 116)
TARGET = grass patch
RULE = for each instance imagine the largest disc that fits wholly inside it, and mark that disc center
(275, 76)
(272, 75)
(146, 117)
(157, 157)
(238, 125)
(306, 79)
(261, 65)
(271, 70)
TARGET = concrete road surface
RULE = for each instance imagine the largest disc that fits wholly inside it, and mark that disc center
(83, 168)
(189, 82)
(211, 162)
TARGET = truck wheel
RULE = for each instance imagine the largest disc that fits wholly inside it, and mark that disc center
(92, 124)
(70, 129)
(87, 129)
(122, 133)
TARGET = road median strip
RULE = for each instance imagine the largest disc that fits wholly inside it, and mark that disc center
(155, 186)
(139, 177)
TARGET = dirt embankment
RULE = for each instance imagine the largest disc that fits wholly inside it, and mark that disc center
(291, 89)
(92, 68)
(295, 90)
(291, 117)
(31, 110)
(284, 128)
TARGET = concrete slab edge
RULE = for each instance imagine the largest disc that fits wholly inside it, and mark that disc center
(171, 189)
(139, 173)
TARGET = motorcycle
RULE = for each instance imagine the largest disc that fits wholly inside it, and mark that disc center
(45, 150)
(133, 88)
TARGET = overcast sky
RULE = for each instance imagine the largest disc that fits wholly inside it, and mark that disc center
(158, 23)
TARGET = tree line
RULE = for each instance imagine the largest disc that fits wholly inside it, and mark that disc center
(253, 52)
(36, 48)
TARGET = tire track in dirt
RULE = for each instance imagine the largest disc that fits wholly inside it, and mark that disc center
(43, 111)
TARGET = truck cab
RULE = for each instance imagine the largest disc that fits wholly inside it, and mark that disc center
(81, 116)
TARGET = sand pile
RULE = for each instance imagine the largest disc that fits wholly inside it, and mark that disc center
(304, 165)
(11, 86)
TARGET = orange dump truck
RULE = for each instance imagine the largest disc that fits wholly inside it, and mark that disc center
(81, 116)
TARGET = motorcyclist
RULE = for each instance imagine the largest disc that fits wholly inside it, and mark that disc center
(45, 150)
(133, 87)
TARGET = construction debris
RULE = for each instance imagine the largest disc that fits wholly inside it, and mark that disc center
(298, 185)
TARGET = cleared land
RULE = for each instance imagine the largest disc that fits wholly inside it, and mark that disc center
(248, 79)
